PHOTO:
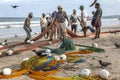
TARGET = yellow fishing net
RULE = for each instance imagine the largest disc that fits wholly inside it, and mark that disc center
(47, 75)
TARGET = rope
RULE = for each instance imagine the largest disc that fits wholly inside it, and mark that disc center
(15, 74)
(98, 50)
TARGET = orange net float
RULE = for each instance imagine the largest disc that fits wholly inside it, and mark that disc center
(16, 73)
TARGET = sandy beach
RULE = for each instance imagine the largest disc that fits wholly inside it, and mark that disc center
(106, 41)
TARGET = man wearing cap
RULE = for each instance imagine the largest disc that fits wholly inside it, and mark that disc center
(73, 21)
(27, 26)
(96, 21)
(60, 18)
(83, 22)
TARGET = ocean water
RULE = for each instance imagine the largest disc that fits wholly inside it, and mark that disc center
(11, 26)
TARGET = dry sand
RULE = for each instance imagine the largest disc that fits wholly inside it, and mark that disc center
(106, 41)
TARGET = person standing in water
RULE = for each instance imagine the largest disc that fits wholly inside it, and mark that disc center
(27, 26)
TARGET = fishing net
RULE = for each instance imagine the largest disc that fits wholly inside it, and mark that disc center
(98, 50)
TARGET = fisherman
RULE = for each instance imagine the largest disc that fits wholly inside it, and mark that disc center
(54, 26)
(83, 21)
(73, 21)
(27, 26)
(96, 21)
(60, 18)
(43, 23)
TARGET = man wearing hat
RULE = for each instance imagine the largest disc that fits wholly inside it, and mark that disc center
(83, 22)
(73, 21)
(27, 26)
(60, 18)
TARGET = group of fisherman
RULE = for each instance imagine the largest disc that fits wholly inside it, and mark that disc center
(59, 30)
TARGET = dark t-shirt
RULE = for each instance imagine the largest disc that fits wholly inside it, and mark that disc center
(98, 13)
(60, 16)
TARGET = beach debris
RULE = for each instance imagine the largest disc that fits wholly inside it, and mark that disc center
(104, 64)
(104, 74)
(117, 45)
(40, 52)
(56, 57)
(30, 42)
(9, 52)
(85, 72)
(46, 52)
(113, 32)
(6, 71)
(25, 59)
(94, 44)
(63, 57)
(3, 43)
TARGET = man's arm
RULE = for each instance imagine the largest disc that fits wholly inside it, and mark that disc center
(78, 19)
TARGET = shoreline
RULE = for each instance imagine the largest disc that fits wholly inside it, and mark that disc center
(110, 28)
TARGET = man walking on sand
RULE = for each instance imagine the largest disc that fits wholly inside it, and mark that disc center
(83, 22)
(60, 18)
(27, 26)
(96, 21)
(73, 21)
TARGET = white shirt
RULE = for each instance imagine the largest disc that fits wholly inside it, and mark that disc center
(84, 15)
(43, 22)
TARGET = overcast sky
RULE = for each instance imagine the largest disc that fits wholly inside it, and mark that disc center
(110, 7)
